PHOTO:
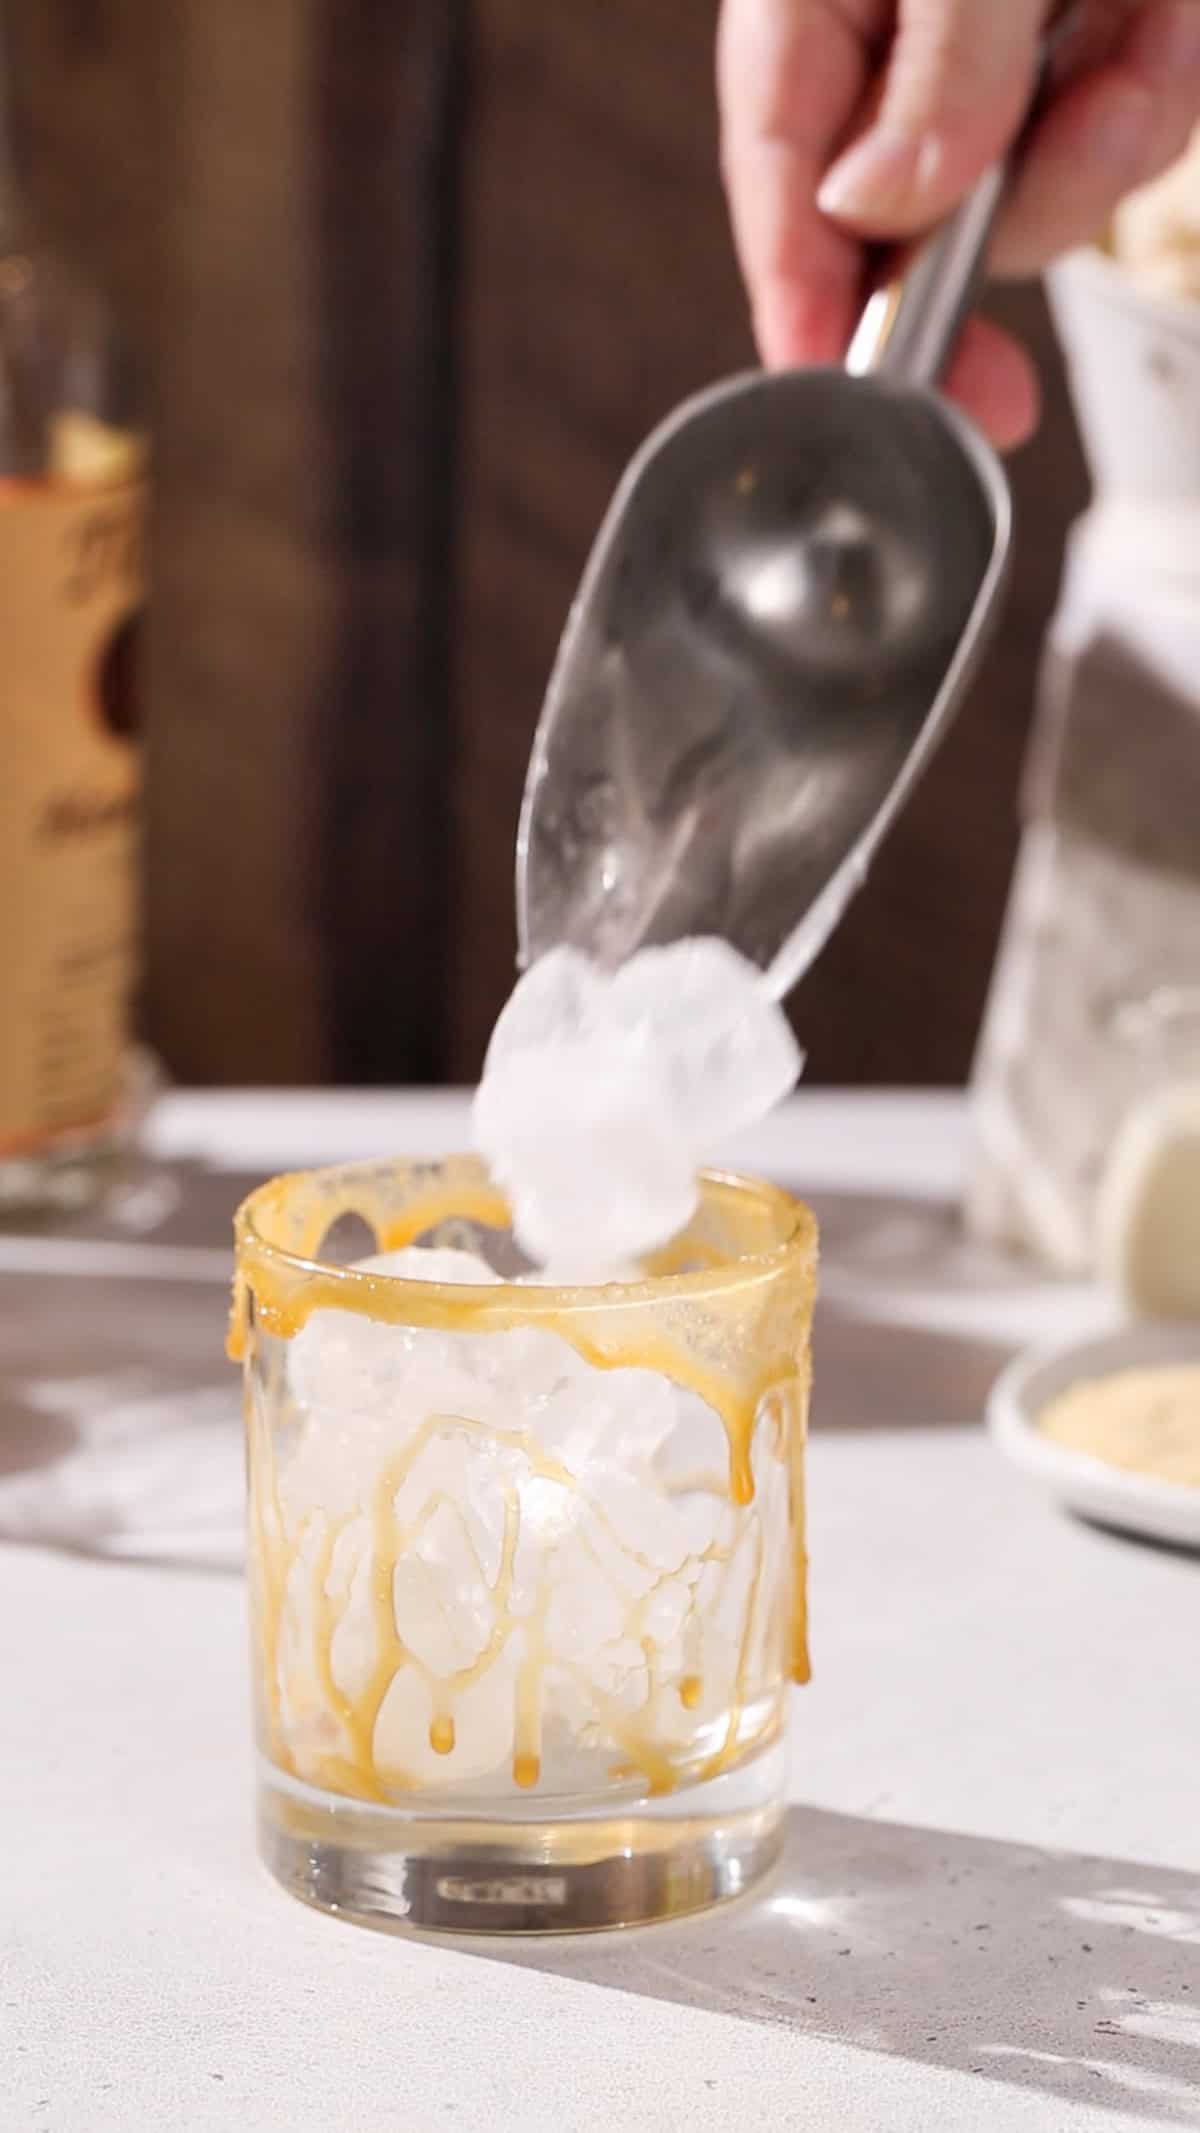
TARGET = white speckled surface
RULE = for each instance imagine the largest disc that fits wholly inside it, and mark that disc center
(989, 1912)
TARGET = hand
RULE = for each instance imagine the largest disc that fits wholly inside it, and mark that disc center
(845, 121)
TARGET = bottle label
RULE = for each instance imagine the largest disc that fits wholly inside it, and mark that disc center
(70, 775)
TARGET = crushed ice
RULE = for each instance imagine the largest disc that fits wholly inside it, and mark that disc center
(601, 1096)
(603, 1093)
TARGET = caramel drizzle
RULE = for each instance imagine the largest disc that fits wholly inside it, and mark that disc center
(279, 1303)
(356, 1769)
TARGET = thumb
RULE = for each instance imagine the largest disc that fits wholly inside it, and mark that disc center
(953, 92)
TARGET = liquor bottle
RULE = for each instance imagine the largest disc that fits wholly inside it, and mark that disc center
(72, 508)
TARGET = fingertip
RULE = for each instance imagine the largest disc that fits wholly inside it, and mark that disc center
(800, 324)
(991, 376)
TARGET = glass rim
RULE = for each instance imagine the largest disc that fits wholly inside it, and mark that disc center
(534, 1298)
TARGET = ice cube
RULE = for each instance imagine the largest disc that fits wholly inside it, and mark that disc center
(344, 1363)
(581, 1136)
(521, 1492)
(726, 1045)
(430, 1262)
(602, 1094)
(593, 1418)
(516, 1484)
(482, 1718)
(557, 1000)
(581, 1273)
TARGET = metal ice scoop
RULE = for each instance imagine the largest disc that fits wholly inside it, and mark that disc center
(780, 616)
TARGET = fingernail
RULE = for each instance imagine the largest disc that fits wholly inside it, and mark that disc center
(880, 173)
(1121, 131)
(1167, 43)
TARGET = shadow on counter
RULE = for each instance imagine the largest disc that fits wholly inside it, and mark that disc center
(1075, 1977)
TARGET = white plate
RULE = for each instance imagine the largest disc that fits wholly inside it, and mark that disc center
(1133, 1502)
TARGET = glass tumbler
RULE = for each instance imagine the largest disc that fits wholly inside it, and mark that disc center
(526, 1563)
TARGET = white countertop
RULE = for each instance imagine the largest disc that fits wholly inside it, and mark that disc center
(989, 1912)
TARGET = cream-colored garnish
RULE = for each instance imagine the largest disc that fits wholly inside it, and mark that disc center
(1144, 1421)
(1148, 1206)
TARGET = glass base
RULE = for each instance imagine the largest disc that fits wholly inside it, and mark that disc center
(417, 1872)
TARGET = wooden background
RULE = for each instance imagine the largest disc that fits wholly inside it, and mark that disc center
(412, 281)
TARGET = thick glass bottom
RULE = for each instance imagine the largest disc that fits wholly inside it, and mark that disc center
(402, 1870)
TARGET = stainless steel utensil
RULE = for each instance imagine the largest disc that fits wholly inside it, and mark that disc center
(780, 616)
